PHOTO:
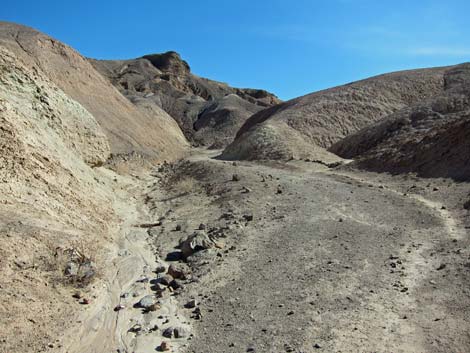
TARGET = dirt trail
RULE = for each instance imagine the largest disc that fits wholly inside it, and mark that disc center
(331, 262)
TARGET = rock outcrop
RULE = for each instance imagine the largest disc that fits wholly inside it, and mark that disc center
(209, 112)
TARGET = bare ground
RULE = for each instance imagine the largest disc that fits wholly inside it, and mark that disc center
(339, 261)
(334, 260)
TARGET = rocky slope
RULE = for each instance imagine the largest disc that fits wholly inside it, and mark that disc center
(53, 202)
(128, 129)
(208, 112)
(431, 138)
(303, 127)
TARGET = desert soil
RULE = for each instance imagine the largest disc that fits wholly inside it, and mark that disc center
(333, 260)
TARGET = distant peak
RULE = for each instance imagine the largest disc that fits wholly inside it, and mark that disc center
(169, 62)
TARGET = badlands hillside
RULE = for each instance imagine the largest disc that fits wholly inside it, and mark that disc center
(343, 226)
(51, 199)
(431, 137)
(209, 112)
(305, 126)
(128, 129)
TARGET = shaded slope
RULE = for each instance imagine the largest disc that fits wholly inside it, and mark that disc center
(199, 105)
(431, 138)
(297, 128)
(128, 129)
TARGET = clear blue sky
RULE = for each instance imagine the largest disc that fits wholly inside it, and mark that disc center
(289, 47)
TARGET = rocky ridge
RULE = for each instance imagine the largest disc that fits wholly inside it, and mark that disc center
(208, 112)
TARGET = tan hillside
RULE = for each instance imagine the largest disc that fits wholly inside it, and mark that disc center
(51, 198)
(127, 128)
(298, 127)
(431, 138)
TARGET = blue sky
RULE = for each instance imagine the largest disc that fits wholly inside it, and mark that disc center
(288, 47)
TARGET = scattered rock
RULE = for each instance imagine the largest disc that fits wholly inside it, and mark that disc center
(168, 332)
(79, 268)
(147, 301)
(77, 295)
(202, 226)
(201, 258)
(316, 346)
(178, 227)
(441, 267)
(191, 304)
(246, 190)
(160, 268)
(176, 332)
(288, 348)
(165, 346)
(178, 271)
(85, 301)
(143, 279)
(119, 307)
(219, 245)
(136, 328)
(176, 284)
(181, 332)
(158, 286)
(248, 217)
(235, 177)
(150, 225)
(166, 280)
(154, 307)
(197, 314)
(196, 242)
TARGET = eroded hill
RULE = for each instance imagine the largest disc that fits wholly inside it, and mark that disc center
(208, 112)
(52, 201)
(431, 138)
(152, 133)
(305, 126)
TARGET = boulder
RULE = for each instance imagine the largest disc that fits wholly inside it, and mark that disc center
(176, 332)
(195, 242)
(178, 271)
(147, 302)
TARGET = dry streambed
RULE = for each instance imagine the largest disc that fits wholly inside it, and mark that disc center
(312, 260)
(235, 257)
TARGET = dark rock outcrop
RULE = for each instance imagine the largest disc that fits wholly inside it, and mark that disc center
(208, 112)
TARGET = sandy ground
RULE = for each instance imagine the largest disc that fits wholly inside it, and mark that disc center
(129, 277)
(334, 260)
